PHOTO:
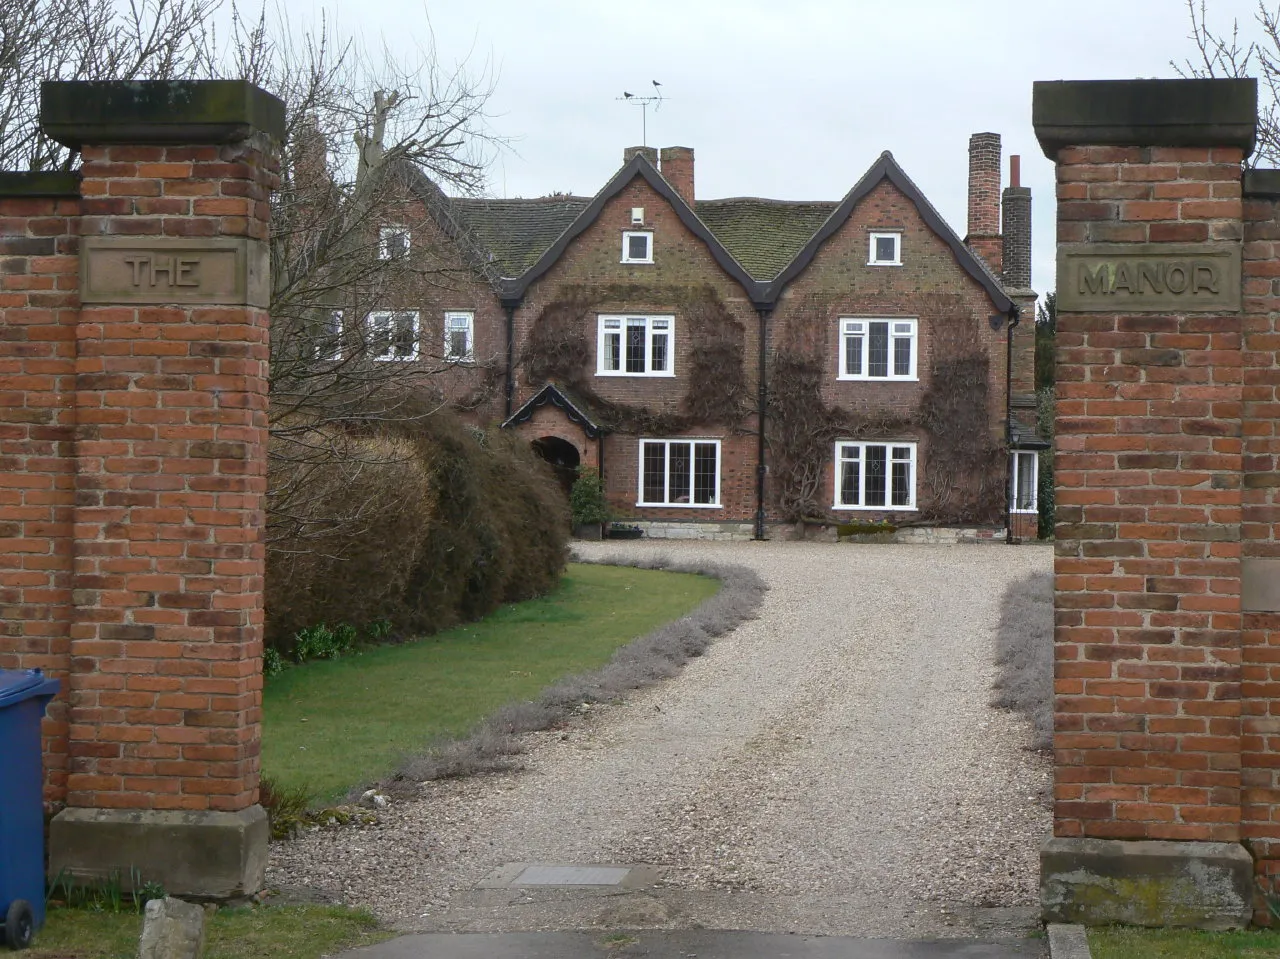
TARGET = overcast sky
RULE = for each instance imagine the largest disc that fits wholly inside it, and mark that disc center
(792, 99)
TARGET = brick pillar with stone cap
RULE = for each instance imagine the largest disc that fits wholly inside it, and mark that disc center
(1149, 469)
(170, 477)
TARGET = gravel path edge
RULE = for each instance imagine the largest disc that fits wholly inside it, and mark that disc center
(495, 745)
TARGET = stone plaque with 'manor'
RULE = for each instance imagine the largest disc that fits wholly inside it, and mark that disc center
(1149, 277)
(173, 270)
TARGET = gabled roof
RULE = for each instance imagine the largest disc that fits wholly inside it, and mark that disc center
(763, 244)
(561, 400)
(886, 168)
(638, 165)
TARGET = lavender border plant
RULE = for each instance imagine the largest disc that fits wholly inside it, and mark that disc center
(496, 743)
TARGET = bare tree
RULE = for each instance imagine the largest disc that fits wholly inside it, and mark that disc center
(372, 143)
(1223, 53)
(89, 40)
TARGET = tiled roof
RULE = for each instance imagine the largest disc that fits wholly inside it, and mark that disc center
(517, 232)
(763, 235)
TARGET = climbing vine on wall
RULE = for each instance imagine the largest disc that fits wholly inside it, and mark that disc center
(561, 348)
(961, 480)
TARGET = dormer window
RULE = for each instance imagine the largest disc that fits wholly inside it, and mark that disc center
(886, 249)
(393, 242)
(637, 247)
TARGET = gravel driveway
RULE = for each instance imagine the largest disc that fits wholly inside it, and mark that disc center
(831, 767)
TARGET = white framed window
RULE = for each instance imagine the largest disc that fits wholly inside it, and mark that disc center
(679, 473)
(393, 241)
(459, 336)
(1024, 481)
(636, 346)
(393, 335)
(637, 247)
(328, 341)
(885, 249)
(879, 476)
(877, 349)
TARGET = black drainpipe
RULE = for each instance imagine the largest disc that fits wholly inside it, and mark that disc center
(1014, 317)
(509, 307)
(761, 401)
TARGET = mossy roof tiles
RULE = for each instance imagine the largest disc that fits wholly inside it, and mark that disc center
(517, 232)
(763, 235)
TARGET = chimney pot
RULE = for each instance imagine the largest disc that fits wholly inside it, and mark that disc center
(1015, 170)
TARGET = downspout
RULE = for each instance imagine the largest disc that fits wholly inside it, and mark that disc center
(762, 400)
(509, 307)
(1014, 317)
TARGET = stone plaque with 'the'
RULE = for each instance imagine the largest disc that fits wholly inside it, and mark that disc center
(1149, 277)
(172, 270)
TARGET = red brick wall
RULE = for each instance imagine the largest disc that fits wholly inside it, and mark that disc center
(681, 261)
(1147, 681)
(170, 475)
(842, 284)
(39, 298)
(1260, 537)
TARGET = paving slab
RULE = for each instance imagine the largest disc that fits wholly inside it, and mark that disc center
(687, 944)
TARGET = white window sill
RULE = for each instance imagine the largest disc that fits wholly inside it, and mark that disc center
(877, 509)
(637, 262)
(670, 375)
(680, 505)
(395, 359)
(884, 263)
(845, 377)
(1026, 512)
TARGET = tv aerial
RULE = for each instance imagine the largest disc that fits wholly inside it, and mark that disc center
(644, 102)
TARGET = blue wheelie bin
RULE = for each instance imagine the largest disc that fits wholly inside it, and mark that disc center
(24, 694)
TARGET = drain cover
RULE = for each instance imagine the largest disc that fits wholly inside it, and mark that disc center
(568, 874)
(571, 876)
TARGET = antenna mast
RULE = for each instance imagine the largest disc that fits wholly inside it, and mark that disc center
(655, 100)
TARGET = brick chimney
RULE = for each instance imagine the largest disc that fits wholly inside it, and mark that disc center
(677, 167)
(984, 198)
(649, 153)
(1016, 227)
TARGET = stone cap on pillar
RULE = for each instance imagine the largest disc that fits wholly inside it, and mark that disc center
(1145, 113)
(76, 112)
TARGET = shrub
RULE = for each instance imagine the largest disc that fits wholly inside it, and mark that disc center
(424, 525)
(587, 500)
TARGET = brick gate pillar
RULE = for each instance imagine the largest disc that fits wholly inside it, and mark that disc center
(1149, 468)
(169, 455)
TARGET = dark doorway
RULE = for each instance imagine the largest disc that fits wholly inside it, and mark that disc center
(563, 457)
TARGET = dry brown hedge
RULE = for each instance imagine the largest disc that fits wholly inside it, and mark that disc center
(424, 525)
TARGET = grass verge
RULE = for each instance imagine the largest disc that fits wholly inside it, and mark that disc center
(332, 726)
(281, 932)
(1126, 943)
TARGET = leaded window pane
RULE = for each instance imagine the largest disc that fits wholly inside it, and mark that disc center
(635, 346)
(850, 476)
(902, 356)
(886, 249)
(878, 352)
(655, 472)
(704, 478)
(876, 475)
(680, 470)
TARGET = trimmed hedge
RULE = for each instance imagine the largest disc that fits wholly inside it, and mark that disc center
(426, 525)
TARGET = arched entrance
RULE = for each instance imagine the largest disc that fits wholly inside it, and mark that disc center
(563, 457)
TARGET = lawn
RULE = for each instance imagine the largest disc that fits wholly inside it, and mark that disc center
(1126, 943)
(328, 726)
(281, 932)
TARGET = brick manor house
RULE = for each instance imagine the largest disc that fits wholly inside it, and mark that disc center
(733, 365)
